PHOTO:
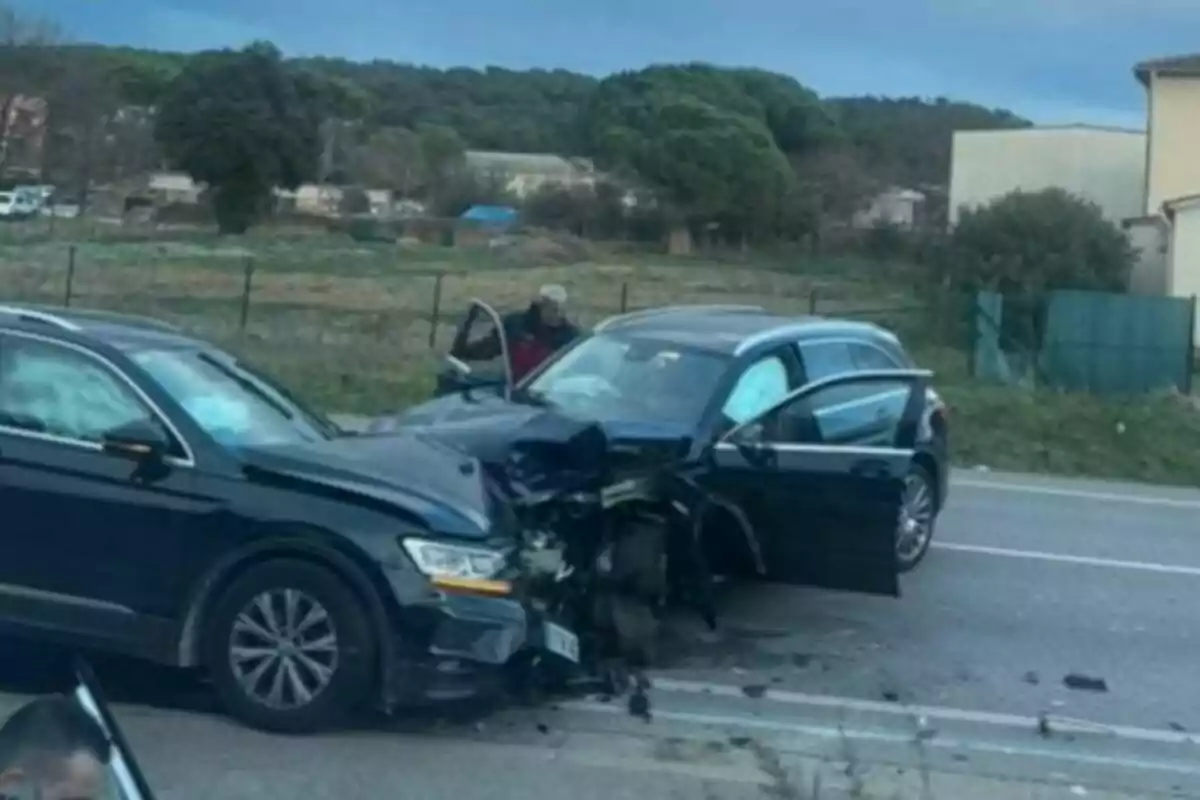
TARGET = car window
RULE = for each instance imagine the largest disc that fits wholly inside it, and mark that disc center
(826, 417)
(230, 402)
(826, 359)
(610, 376)
(762, 385)
(869, 357)
(53, 389)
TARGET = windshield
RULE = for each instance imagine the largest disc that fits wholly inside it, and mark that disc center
(619, 377)
(232, 403)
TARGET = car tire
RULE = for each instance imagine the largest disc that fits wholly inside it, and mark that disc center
(329, 628)
(920, 489)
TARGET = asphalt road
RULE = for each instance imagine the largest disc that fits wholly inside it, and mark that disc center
(1033, 580)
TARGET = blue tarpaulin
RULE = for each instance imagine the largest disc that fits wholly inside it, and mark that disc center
(490, 216)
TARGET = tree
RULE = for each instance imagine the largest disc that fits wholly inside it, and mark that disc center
(391, 158)
(694, 133)
(92, 133)
(1026, 244)
(242, 123)
(83, 107)
(906, 140)
(831, 185)
(26, 68)
(442, 151)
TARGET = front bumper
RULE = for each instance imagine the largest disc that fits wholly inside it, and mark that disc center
(466, 647)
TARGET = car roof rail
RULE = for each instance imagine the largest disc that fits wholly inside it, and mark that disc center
(727, 308)
(123, 318)
(32, 315)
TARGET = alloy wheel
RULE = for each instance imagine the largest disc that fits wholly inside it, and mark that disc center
(916, 518)
(283, 649)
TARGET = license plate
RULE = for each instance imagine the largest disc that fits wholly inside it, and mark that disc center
(562, 642)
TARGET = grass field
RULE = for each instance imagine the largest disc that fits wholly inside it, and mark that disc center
(351, 325)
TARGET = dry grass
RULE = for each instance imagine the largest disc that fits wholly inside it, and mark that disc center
(351, 324)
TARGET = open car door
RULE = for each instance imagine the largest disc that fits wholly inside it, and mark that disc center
(479, 353)
(125, 777)
(820, 478)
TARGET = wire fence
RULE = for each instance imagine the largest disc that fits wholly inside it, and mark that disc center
(359, 328)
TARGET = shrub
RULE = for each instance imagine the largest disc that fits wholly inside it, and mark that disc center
(1026, 244)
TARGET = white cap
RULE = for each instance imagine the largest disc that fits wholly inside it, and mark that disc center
(554, 293)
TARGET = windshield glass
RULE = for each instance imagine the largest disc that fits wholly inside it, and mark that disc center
(620, 377)
(235, 405)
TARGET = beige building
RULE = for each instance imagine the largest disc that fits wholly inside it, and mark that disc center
(894, 206)
(1166, 229)
(1104, 165)
(525, 173)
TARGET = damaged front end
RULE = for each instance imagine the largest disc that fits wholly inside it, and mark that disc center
(608, 527)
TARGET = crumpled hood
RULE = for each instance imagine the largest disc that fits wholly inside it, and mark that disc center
(499, 432)
(440, 484)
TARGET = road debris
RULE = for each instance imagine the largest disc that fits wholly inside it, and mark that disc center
(1032, 678)
(1085, 683)
(754, 691)
(639, 704)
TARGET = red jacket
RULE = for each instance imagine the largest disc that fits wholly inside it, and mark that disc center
(529, 342)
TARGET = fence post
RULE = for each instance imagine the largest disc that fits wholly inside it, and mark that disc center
(624, 296)
(812, 301)
(1192, 364)
(69, 289)
(435, 312)
(247, 288)
(973, 312)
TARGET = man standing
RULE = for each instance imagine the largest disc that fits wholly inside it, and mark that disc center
(52, 749)
(533, 334)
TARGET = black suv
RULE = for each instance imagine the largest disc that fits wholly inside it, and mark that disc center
(164, 500)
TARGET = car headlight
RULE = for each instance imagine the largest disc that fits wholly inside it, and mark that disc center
(454, 566)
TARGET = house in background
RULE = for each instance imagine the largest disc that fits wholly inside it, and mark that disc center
(524, 173)
(1167, 226)
(173, 187)
(895, 206)
(1105, 165)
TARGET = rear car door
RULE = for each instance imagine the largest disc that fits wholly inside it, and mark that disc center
(823, 507)
(90, 544)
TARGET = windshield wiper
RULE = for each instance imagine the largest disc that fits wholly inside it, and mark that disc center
(529, 397)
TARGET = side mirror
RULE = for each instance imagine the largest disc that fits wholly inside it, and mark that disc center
(140, 440)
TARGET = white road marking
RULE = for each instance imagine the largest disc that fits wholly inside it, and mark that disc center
(1090, 561)
(939, 742)
(932, 713)
(1078, 494)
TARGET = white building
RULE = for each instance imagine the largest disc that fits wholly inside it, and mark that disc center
(1104, 165)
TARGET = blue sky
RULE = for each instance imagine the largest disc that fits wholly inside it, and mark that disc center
(1052, 60)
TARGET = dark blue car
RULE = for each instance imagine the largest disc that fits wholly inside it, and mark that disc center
(817, 445)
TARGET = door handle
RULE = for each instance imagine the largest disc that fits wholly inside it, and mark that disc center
(870, 469)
